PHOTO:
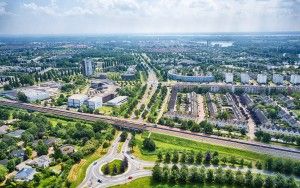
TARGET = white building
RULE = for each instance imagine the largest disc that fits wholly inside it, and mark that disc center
(295, 79)
(262, 78)
(33, 94)
(117, 101)
(88, 67)
(77, 100)
(228, 77)
(245, 78)
(277, 79)
(94, 102)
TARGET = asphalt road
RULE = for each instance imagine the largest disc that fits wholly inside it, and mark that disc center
(278, 151)
(136, 168)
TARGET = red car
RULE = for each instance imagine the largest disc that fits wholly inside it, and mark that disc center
(130, 177)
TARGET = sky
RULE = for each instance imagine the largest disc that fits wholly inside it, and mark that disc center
(147, 16)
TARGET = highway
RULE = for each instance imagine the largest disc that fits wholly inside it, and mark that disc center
(134, 124)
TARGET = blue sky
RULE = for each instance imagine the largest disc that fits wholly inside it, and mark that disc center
(147, 16)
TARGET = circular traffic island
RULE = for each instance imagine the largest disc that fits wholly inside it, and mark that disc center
(115, 167)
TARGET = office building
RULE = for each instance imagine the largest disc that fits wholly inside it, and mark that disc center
(261, 78)
(228, 77)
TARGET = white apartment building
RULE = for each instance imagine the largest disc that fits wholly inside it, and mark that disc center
(262, 78)
(228, 77)
(277, 79)
(94, 102)
(77, 100)
(295, 79)
(245, 78)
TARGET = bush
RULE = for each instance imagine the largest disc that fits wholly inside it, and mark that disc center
(149, 144)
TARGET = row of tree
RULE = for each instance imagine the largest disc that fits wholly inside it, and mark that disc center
(219, 176)
(199, 158)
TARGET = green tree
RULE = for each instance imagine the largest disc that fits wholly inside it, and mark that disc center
(41, 148)
(115, 169)
(279, 181)
(22, 97)
(156, 173)
(269, 183)
(149, 144)
(3, 172)
(175, 157)
(199, 157)
(106, 169)
(123, 136)
(167, 157)
(258, 181)
(11, 165)
(219, 176)
(248, 178)
(239, 178)
(159, 156)
(229, 177)
(210, 176)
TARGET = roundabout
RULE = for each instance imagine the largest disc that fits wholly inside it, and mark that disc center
(95, 176)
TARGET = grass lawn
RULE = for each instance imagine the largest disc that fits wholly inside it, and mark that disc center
(164, 143)
(111, 165)
(120, 145)
(146, 182)
(77, 172)
(297, 112)
(106, 110)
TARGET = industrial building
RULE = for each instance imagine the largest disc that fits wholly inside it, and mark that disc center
(77, 100)
(117, 101)
(295, 79)
(277, 79)
(262, 78)
(94, 102)
(245, 78)
(228, 77)
(88, 68)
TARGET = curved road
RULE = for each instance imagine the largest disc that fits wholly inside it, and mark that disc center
(136, 168)
(278, 151)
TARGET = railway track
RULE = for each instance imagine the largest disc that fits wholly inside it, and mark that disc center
(136, 125)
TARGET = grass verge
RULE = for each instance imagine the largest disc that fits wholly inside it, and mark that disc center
(77, 172)
(166, 143)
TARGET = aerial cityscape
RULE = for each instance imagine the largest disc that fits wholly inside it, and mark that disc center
(92, 96)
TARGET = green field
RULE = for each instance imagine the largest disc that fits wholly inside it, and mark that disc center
(168, 143)
(147, 183)
(111, 165)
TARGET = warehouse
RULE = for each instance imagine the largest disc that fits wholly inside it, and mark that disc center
(77, 100)
(34, 95)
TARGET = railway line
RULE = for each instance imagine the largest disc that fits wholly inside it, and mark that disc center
(137, 125)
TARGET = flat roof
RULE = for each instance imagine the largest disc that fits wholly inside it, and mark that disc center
(117, 99)
(78, 96)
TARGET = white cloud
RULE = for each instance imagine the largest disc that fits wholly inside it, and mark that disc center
(2, 8)
(97, 16)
